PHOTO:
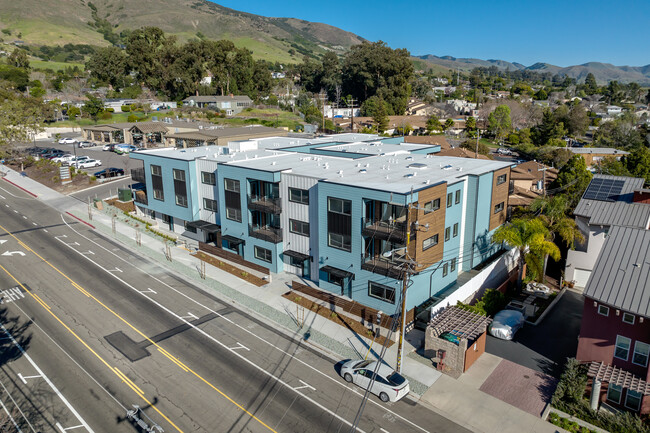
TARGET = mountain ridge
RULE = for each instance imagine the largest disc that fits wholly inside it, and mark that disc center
(604, 72)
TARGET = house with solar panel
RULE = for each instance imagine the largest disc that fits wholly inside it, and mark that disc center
(608, 201)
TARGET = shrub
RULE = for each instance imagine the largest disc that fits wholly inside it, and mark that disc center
(126, 108)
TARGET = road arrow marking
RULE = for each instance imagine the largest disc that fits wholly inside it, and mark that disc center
(149, 290)
(23, 378)
(304, 385)
(114, 270)
(60, 427)
(2, 241)
(239, 346)
(11, 253)
(189, 316)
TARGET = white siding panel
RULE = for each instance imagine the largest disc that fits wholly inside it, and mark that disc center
(300, 212)
(207, 191)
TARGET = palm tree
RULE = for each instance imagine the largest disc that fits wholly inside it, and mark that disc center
(530, 237)
(553, 211)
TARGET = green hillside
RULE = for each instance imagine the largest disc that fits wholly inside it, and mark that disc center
(58, 22)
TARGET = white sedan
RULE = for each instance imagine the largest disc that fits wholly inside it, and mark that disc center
(63, 158)
(388, 384)
(67, 141)
(88, 163)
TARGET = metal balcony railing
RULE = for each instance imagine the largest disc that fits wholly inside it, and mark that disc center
(265, 204)
(137, 175)
(382, 266)
(266, 233)
(384, 229)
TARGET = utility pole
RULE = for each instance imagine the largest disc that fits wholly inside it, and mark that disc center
(323, 95)
(351, 102)
(478, 137)
(405, 281)
(543, 170)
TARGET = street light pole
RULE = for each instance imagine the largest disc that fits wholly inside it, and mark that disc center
(402, 330)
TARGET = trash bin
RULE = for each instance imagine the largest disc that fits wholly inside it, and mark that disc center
(124, 194)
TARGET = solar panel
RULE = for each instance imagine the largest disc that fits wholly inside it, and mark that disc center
(604, 189)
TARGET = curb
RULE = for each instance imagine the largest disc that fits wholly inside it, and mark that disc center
(20, 187)
(79, 219)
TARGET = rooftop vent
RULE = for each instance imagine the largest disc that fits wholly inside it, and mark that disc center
(417, 166)
(363, 170)
(408, 175)
(447, 167)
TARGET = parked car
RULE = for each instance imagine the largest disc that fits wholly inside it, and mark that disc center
(67, 141)
(506, 323)
(88, 163)
(86, 144)
(388, 384)
(110, 146)
(124, 149)
(109, 172)
(63, 158)
(75, 159)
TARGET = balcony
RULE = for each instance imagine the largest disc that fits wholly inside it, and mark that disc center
(265, 204)
(137, 175)
(382, 266)
(386, 230)
(141, 197)
(266, 233)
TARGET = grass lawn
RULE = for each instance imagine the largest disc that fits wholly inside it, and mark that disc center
(489, 143)
(55, 66)
(268, 117)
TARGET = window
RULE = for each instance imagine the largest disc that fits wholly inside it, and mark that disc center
(209, 204)
(455, 229)
(450, 199)
(181, 200)
(208, 178)
(232, 199)
(457, 197)
(179, 175)
(263, 254)
(447, 233)
(335, 279)
(502, 179)
(231, 185)
(445, 269)
(339, 223)
(340, 206)
(641, 351)
(299, 227)
(628, 318)
(432, 205)
(622, 349)
(498, 208)
(633, 400)
(379, 291)
(233, 214)
(453, 265)
(429, 242)
(156, 170)
(342, 242)
(614, 393)
(190, 228)
(157, 183)
(603, 310)
(180, 188)
(299, 195)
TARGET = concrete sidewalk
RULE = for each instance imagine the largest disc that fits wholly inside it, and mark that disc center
(459, 400)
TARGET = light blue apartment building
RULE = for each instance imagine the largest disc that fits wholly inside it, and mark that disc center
(353, 213)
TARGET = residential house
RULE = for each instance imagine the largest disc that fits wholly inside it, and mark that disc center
(415, 107)
(593, 155)
(615, 332)
(529, 180)
(332, 112)
(336, 210)
(608, 201)
(230, 105)
(614, 110)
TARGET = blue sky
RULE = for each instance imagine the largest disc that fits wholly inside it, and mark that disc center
(560, 32)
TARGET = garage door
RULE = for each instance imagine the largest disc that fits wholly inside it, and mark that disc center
(581, 276)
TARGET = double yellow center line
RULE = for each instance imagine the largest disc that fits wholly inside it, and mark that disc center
(115, 370)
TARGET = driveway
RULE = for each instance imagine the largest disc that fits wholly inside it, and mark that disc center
(545, 347)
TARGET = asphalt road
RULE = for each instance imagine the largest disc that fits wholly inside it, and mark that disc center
(109, 330)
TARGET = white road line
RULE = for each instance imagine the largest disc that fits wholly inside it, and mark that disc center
(35, 224)
(45, 230)
(13, 195)
(4, 198)
(305, 385)
(47, 380)
(2, 241)
(24, 217)
(18, 407)
(189, 316)
(88, 252)
(9, 415)
(239, 346)
(383, 430)
(248, 331)
(113, 270)
(23, 378)
(60, 427)
(15, 211)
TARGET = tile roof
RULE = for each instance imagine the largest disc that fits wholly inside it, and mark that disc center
(621, 275)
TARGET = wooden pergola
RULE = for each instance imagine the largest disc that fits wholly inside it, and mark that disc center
(461, 323)
(617, 376)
